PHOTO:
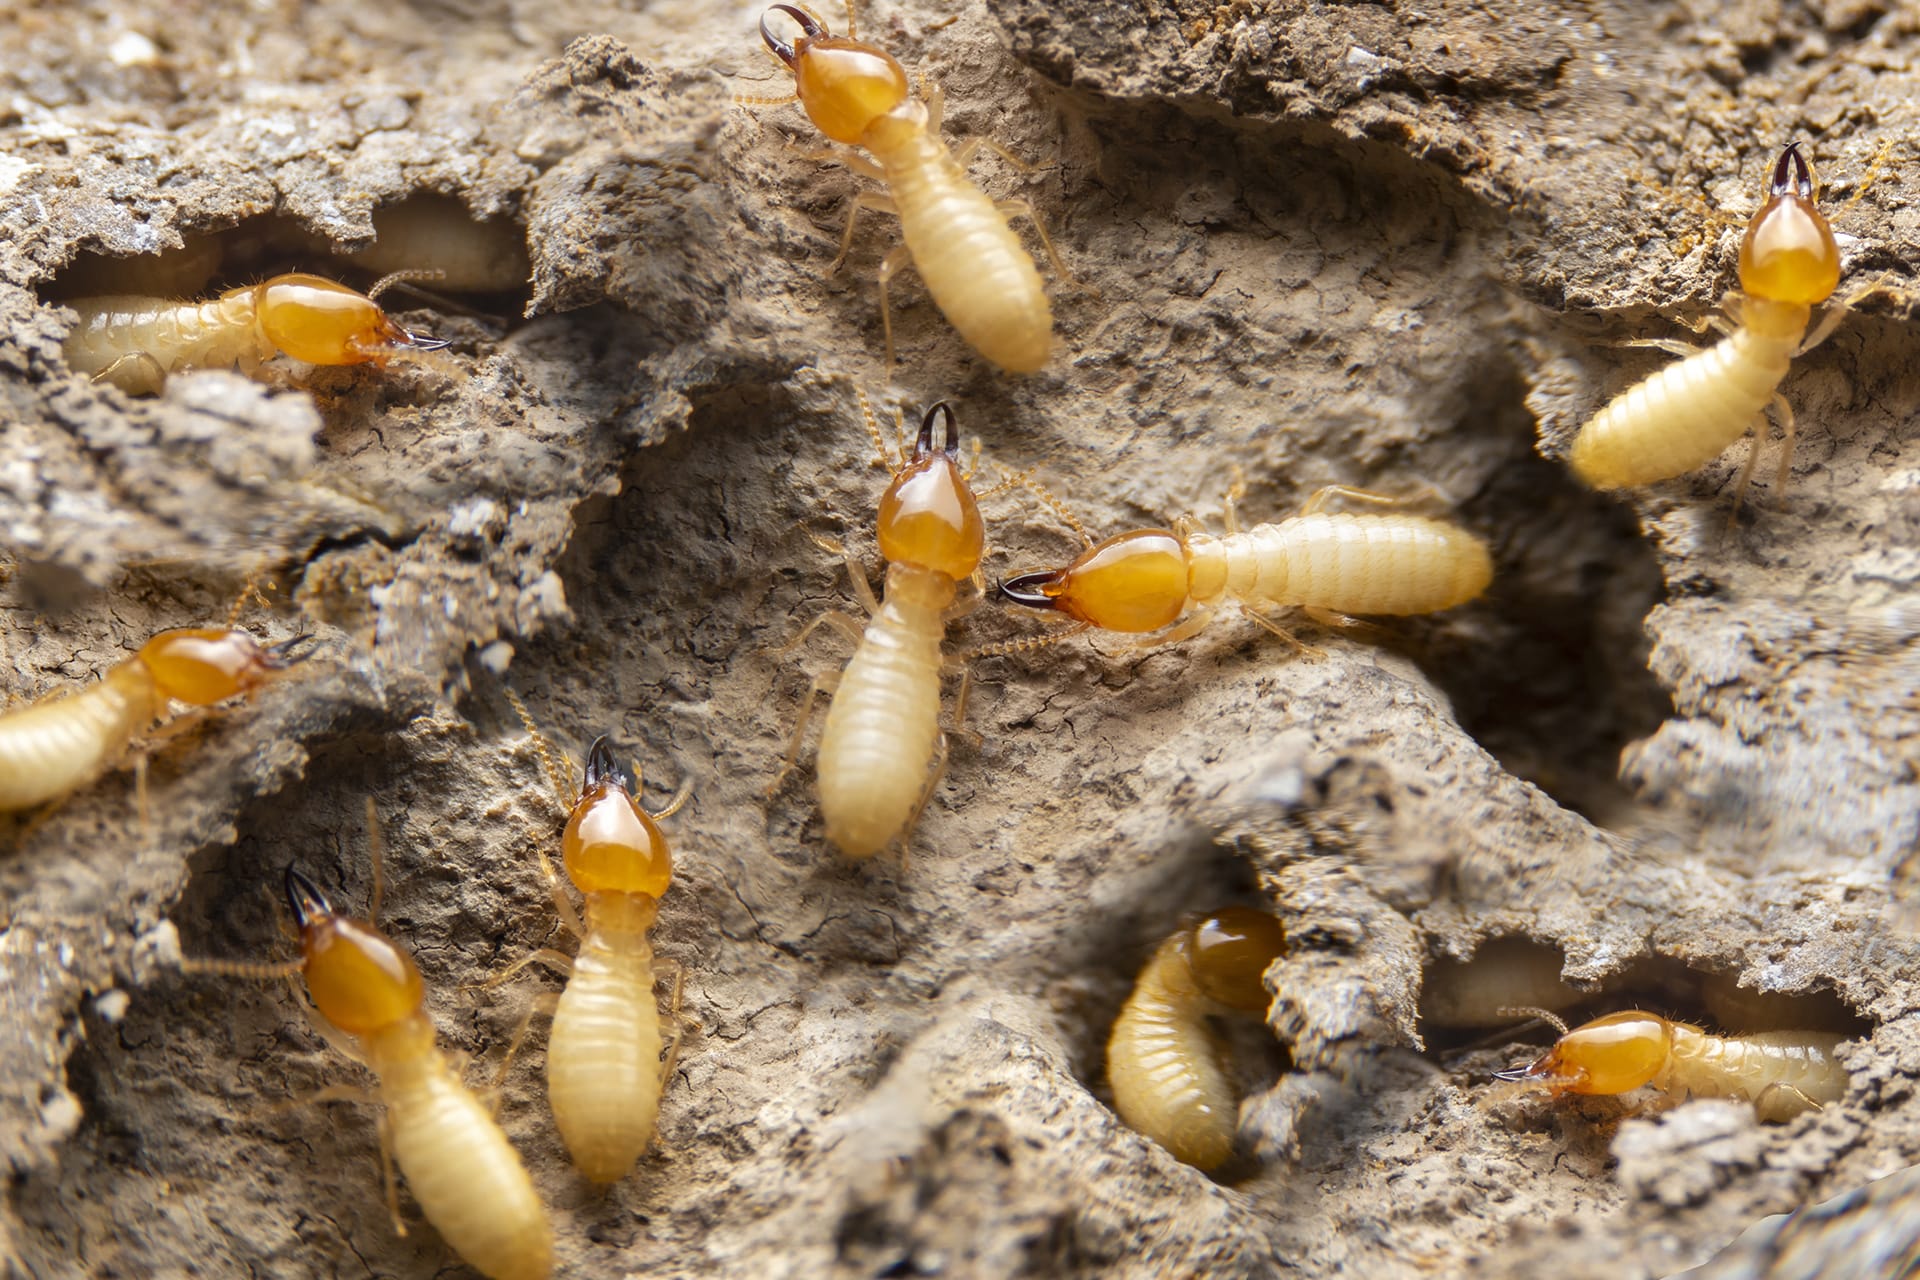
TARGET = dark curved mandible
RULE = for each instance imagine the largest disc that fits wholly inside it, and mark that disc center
(781, 48)
(305, 899)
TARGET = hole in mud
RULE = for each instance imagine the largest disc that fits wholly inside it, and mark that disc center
(1551, 675)
(485, 262)
(1461, 1000)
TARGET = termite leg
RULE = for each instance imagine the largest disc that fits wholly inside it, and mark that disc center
(1333, 622)
(1755, 433)
(331, 1093)
(845, 623)
(137, 374)
(1011, 209)
(1837, 311)
(386, 1175)
(546, 1002)
(673, 1013)
(897, 258)
(959, 729)
(562, 904)
(1298, 644)
(1195, 623)
(1672, 346)
(1229, 513)
(1760, 1102)
(850, 160)
(970, 149)
(937, 772)
(855, 571)
(1327, 492)
(559, 961)
(1786, 447)
(865, 200)
(821, 684)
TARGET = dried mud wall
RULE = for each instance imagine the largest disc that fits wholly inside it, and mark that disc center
(1369, 244)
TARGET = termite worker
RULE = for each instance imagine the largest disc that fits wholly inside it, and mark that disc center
(134, 341)
(1327, 565)
(604, 1068)
(973, 264)
(876, 762)
(1782, 1073)
(1162, 1060)
(55, 747)
(1686, 414)
(464, 1173)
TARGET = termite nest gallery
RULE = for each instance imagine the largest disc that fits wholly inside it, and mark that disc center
(788, 986)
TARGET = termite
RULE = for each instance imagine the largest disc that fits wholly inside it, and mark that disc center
(877, 760)
(1325, 565)
(1686, 414)
(55, 747)
(134, 341)
(605, 1073)
(981, 278)
(1782, 1073)
(1163, 1061)
(466, 1176)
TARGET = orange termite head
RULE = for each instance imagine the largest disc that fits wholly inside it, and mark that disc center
(1133, 582)
(1789, 253)
(360, 980)
(203, 665)
(1229, 951)
(928, 516)
(1614, 1054)
(843, 84)
(320, 322)
(610, 844)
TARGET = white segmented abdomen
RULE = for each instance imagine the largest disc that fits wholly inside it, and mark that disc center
(1386, 564)
(52, 748)
(1164, 1065)
(882, 729)
(974, 265)
(173, 335)
(1780, 1072)
(466, 1176)
(603, 1056)
(1683, 416)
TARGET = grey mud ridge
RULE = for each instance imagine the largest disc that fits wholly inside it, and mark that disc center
(1383, 245)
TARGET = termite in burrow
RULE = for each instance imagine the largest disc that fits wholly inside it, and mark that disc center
(882, 750)
(469, 1181)
(605, 1071)
(134, 341)
(1163, 1061)
(956, 236)
(1328, 566)
(1685, 415)
(55, 747)
(1782, 1073)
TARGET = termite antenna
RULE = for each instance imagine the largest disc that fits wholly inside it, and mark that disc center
(1799, 182)
(393, 278)
(1031, 589)
(924, 445)
(782, 50)
(1547, 1016)
(305, 900)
